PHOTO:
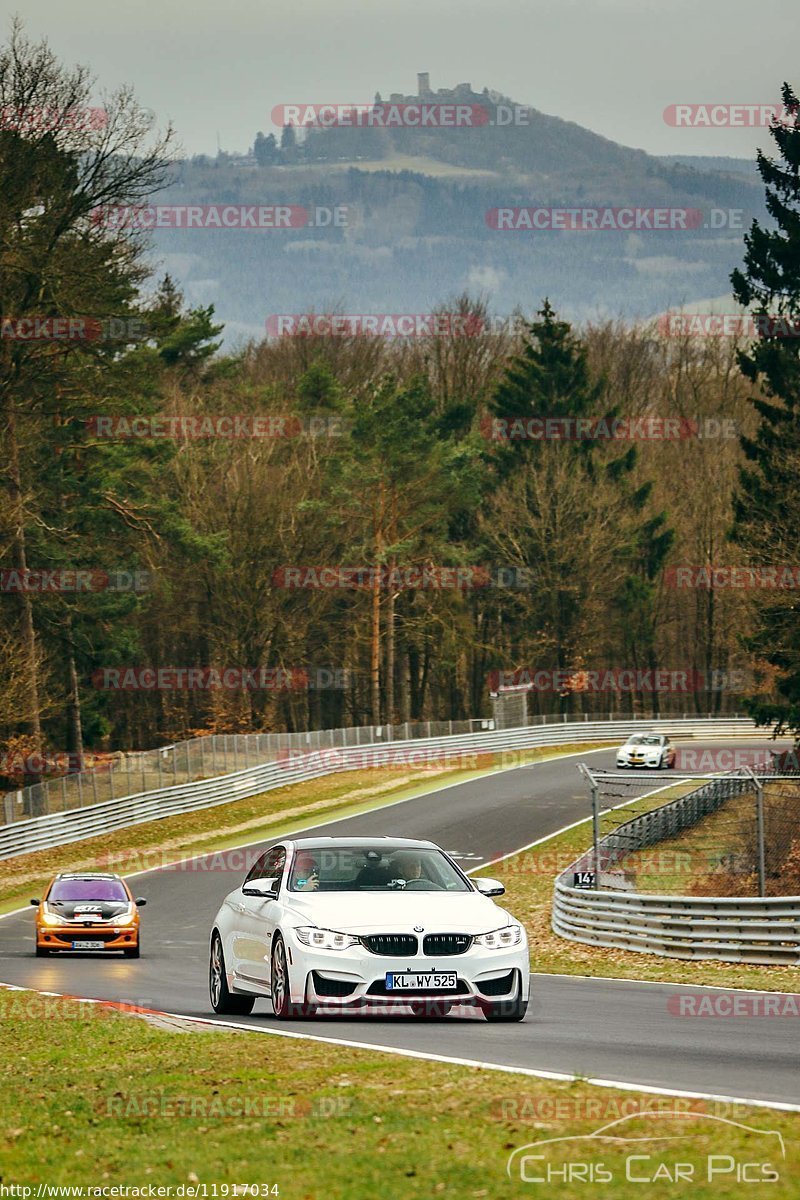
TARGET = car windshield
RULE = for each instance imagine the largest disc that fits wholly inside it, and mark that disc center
(641, 739)
(378, 869)
(87, 889)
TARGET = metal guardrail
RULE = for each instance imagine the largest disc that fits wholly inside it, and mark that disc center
(128, 773)
(298, 765)
(738, 929)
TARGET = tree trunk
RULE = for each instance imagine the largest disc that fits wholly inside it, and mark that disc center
(74, 723)
(375, 647)
(21, 564)
(390, 652)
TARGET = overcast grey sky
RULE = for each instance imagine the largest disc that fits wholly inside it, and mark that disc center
(219, 66)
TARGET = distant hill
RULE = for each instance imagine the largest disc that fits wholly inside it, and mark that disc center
(700, 162)
(417, 232)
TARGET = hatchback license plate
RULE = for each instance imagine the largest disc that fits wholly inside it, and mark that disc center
(423, 981)
(88, 945)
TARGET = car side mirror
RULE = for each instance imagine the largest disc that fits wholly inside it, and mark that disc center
(264, 889)
(36, 902)
(489, 887)
(140, 901)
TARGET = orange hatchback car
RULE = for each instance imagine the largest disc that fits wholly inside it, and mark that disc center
(88, 911)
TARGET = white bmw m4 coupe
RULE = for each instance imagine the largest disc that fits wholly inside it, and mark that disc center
(366, 923)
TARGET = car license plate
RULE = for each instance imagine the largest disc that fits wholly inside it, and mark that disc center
(86, 945)
(423, 981)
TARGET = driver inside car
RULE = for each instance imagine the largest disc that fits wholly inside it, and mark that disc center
(306, 872)
(406, 867)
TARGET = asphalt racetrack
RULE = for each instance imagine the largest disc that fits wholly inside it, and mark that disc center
(603, 1029)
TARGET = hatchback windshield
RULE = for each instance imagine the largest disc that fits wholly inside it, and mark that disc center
(87, 889)
(382, 869)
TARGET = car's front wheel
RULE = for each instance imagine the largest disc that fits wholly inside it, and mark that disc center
(42, 952)
(282, 1004)
(507, 1010)
(133, 951)
(223, 1000)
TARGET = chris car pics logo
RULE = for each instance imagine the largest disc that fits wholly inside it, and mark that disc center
(714, 1150)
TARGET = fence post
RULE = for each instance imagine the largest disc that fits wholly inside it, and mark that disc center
(762, 866)
(596, 835)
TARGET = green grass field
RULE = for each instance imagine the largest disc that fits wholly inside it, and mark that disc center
(96, 1098)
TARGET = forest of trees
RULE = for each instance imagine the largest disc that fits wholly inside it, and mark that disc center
(370, 453)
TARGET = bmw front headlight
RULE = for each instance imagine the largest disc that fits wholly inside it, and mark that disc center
(499, 939)
(325, 939)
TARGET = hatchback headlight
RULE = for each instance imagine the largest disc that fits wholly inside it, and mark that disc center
(498, 939)
(51, 918)
(325, 939)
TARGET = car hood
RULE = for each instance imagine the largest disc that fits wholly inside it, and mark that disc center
(374, 912)
(87, 910)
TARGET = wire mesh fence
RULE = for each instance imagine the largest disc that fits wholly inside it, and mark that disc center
(736, 835)
(127, 773)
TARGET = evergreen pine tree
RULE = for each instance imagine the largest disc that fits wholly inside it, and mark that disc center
(767, 505)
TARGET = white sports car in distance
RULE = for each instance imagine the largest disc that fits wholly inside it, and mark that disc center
(355, 923)
(646, 750)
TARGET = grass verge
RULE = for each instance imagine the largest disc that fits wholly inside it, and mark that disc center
(100, 1099)
(271, 814)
